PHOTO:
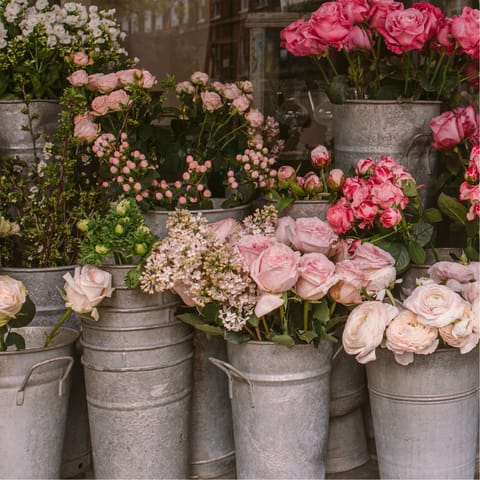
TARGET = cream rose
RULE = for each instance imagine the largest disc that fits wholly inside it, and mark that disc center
(405, 336)
(87, 288)
(12, 297)
(435, 305)
(364, 329)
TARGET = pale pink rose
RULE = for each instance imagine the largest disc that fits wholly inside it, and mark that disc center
(320, 156)
(330, 25)
(369, 256)
(224, 228)
(340, 217)
(352, 279)
(435, 305)
(276, 269)
(241, 104)
(100, 105)
(103, 83)
(388, 195)
(231, 91)
(118, 100)
(283, 232)
(365, 166)
(471, 291)
(475, 268)
(356, 11)
(390, 217)
(335, 179)
(81, 59)
(358, 39)
(148, 80)
(465, 28)
(251, 246)
(79, 78)
(405, 30)
(379, 280)
(13, 295)
(254, 118)
(364, 329)
(185, 87)
(85, 116)
(126, 77)
(380, 9)
(442, 271)
(406, 336)
(317, 275)
(183, 291)
(311, 234)
(345, 248)
(461, 333)
(86, 130)
(267, 303)
(199, 78)
(211, 101)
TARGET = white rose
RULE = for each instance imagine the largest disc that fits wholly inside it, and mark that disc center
(406, 336)
(364, 329)
(12, 297)
(88, 287)
(435, 305)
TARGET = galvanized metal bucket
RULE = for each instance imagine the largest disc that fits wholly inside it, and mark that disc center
(15, 141)
(425, 415)
(303, 208)
(280, 400)
(156, 220)
(372, 128)
(138, 371)
(34, 392)
(42, 285)
(213, 450)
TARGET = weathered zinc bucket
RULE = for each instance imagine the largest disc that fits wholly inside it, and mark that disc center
(425, 415)
(372, 128)
(15, 119)
(280, 400)
(138, 373)
(303, 208)
(347, 439)
(34, 392)
(213, 450)
(42, 285)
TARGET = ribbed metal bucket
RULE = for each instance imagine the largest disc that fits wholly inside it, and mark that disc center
(42, 285)
(213, 450)
(425, 415)
(280, 400)
(372, 128)
(34, 393)
(157, 219)
(14, 139)
(303, 208)
(138, 371)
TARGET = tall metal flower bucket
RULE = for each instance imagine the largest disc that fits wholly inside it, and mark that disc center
(280, 404)
(372, 128)
(34, 393)
(138, 372)
(302, 208)
(425, 415)
(42, 285)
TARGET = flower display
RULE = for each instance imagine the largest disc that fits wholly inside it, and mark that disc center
(442, 311)
(263, 278)
(41, 44)
(383, 50)
(380, 204)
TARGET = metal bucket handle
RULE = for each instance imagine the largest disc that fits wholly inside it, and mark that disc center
(61, 389)
(231, 372)
(427, 151)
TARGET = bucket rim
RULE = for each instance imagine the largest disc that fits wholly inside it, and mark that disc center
(36, 100)
(389, 102)
(207, 210)
(37, 269)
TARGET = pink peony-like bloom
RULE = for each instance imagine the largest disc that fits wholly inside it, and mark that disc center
(231, 91)
(312, 184)
(366, 212)
(211, 101)
(317, 275)
(365, 166)
(465, 28)
(335, 179)
(241, 104)
(330, 25)
(320, 156)
(388, 195)
(79, 78)
(286, 173)
(406, 336)
(311, 234)
(283, 232)
(364, 329)
(185, 87)
(390, 217)
(340, 217)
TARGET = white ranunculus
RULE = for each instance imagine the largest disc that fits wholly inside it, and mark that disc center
(364, 329)
(12, 297)
(463, 333)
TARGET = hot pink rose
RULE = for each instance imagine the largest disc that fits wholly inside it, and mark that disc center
(356, 11)
(311, 234)
(465, 28)
(299, 39)
(466, 119)
(254, 118)
(358, 39)
(320, 156)
(443, 37)
(317, 275)
(335, 179)
(379, 11)
(405, 30)
(251, 246)
(86, 130)
(390, 217)
(433, 16)
(81, 59)
(330, 25)
(389, 195)
(340, 217)
(211, 101)
(79, 78)
(117, 100)
(352, 279)
(276, 269)
(446, 131)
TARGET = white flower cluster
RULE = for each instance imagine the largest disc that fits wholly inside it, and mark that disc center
(261, 222)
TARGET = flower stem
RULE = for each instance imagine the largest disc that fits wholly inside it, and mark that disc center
(265, 326)
(55, 329)
(306, 309)
(390, 297)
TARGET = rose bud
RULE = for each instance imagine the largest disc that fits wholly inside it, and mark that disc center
(335, 179)
(320, 156)
(286, 173)
(313, 184)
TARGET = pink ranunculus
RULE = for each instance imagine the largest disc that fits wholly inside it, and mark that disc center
(379, 11)
(79, 78)
(443, 271)
(199, 78)
(211, 101)
(224, 228)
(251, 246)
(433, 15)
(352, 279)
(365, 166)
(100, 105)
(471, 291)
(241, 104)
(118, 100)
(465, 28)
(445, 131)
(435, 305)
(320, 156)
(335, 179)
(443, 37)
(317, 275)
(81, 59)
(103, 83)
(356, 11)
(406, 336)
(330, 25)
(267, 303)
(390, 217)
(310, 234)
(254, 118)
(340, 217)
(275, 270)
(364, 329)
(86, 130)
(405, 30)
(358, 39)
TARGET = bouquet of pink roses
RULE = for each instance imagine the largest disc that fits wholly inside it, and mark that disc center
(443, 311)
